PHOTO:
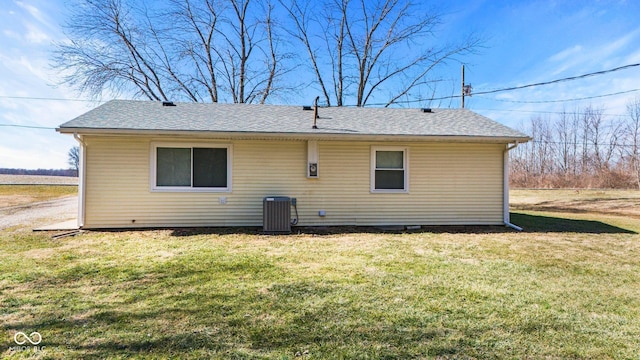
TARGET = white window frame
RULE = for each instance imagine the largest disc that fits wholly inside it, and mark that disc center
(405, 168)
(191, 145)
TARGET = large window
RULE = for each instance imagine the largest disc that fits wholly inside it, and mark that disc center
(191, 168)
(389, 169)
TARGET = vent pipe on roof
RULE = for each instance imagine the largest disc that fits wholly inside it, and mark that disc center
(315, 112)
(426, 110)
(168, 103)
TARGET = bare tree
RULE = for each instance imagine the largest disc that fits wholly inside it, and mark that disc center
(543, 146)
(632, 132)
(361, 49)
(575, 152)
(74, 158)
(208, 50)
(564, 131)
(596, 137)
(585, 131)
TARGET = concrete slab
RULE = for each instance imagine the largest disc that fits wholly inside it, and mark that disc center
(62, 226)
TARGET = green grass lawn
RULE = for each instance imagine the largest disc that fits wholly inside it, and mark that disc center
(568, 288)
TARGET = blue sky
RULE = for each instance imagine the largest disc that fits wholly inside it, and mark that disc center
(527, 42)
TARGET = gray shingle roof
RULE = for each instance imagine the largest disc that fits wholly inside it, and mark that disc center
(131, 116)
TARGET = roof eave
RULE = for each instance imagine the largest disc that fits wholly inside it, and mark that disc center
(294, 135)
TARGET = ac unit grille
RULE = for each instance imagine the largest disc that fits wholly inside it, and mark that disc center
(276, 214)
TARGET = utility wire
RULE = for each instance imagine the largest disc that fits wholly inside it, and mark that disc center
(45, 98)
(545, 112)
(563, 100)
(570, 78)
(575, 143)
(28, 126)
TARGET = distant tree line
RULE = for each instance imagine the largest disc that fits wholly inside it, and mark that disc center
(45, 172)
(582, 149)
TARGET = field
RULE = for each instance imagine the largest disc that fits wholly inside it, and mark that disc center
(567, 287)
(605, 202)
(16, 195)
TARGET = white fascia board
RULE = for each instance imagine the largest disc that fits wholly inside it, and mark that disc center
(295, 136)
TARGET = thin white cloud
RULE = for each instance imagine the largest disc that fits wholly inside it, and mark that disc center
(620, 43)
(11, 34)
(611, 54)
(38, 25)
(35, 13)
(35, 34)
(27, 73)
(505, 96)
(632, 58)
(567, 53)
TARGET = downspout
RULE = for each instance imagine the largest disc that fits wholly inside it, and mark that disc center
(81, 179)
(505, 188)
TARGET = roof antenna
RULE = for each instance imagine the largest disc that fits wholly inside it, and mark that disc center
(315, 112)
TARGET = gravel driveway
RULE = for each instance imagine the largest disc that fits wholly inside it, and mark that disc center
(40, 213)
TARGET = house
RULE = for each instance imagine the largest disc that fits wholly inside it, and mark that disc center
(155, 164)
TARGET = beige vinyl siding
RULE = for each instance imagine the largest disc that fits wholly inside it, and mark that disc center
(448, 184)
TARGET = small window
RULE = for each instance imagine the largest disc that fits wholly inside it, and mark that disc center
(181, 168)
(389, 169)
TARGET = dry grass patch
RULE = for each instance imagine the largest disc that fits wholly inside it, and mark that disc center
(614, 202)
(17, 195)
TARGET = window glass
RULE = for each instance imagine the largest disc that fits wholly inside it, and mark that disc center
(390, 179)
(173, 167)
(389, 160)
(209, 167)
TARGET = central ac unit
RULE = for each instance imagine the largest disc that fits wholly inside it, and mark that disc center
(276, 214)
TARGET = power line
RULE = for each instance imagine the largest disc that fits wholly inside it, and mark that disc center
(570, 78)
(575, 143)
(28, 126)
(563, 100)
(545, 112)
(45, 98)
